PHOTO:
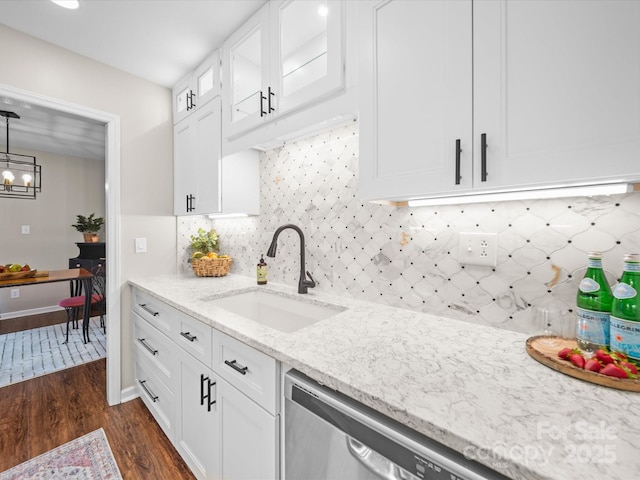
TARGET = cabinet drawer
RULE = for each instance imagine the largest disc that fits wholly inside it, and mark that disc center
(155, 395)
(157, 349)
(154, 311)
(194, 337)
(252, 372)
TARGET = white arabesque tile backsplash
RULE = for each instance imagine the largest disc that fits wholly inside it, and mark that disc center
(408, 257)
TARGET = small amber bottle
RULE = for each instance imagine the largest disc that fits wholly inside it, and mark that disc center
(262, 271)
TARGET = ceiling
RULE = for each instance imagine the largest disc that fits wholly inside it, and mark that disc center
(158, 40)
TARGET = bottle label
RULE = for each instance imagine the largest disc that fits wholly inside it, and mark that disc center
(589, 285)
(622, 291)
(594, 263)
(625, 337)
(262, 273)
(632, 267)
(593, 327)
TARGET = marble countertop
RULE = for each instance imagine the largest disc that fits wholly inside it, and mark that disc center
(471, 387)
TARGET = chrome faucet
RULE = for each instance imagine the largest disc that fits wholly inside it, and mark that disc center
(303, 283)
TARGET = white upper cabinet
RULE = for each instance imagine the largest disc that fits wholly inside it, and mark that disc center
(197, 88)
(197, 161)
(557, 91)
(497, 95)
(289, 54)
(416, 104)
(246, 74)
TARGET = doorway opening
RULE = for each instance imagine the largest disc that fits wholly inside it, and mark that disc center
(111, 124)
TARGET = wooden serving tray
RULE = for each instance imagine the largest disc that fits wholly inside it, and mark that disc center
(14, 275)
(545, 348)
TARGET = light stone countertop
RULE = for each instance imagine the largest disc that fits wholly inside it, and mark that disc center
(471, 387)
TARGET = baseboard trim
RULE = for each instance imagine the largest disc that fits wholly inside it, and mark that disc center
(128, 394)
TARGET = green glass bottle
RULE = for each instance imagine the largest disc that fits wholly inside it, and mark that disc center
(625, 310)
(594, 306)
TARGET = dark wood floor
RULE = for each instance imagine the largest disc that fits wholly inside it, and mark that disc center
(45, 412)
(28, 322)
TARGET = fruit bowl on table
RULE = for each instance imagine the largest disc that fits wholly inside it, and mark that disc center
(545, 348)
(14, 275)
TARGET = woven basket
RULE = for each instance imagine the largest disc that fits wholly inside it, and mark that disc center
(211, 267)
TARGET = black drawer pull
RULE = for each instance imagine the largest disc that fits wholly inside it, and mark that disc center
(238, 368)
(188, 336)
(151, 350)
(152, 396)
(148, 310)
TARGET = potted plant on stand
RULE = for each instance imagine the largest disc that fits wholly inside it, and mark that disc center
(89, 227)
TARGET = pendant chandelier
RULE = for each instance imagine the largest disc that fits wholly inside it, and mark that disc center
(20, 177)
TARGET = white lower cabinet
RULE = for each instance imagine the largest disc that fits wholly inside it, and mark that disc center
(217, 403)
(249, 437)
(197, 435)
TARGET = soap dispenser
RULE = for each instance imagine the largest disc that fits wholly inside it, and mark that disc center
(262, 271)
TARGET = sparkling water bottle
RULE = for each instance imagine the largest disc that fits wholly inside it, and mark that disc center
(625, 310)
(594, 306)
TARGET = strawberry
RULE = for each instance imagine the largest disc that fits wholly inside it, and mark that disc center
(603, 356)
(565, 353)
(577, 360)
(630, 367)
(592, 365)
(614, 370)
(619, 356)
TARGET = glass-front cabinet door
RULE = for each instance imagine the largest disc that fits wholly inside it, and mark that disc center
(307, 51)
(245, 54)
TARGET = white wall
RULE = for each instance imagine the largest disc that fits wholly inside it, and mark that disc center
(71, 186)
(146, 149)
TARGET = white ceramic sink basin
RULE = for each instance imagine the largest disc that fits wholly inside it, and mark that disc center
(284, 313)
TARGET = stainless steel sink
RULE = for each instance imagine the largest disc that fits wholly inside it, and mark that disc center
(282, 312)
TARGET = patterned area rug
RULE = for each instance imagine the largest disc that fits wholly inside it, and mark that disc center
(86, 458)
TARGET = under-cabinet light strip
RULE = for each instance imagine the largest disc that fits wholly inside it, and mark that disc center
(560, 192)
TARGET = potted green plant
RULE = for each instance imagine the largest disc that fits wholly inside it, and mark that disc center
(89, 227)
(204, 242)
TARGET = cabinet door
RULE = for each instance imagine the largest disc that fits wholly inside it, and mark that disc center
(307, 55)
(198, 427)
(197, 161)
(183, 99)
(557, 91)
(206, 80)
(416, 103)
(184, 158)
(246, 73)
(249, 440)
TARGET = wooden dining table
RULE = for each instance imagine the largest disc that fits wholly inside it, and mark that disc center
(79, 276)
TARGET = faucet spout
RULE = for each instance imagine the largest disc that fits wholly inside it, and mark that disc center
(303, 283)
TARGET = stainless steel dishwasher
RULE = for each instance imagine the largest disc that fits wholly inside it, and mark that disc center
(329, 436)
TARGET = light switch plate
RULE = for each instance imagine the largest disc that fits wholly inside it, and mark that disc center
(26, 229)
(478, 249)
(141, 245)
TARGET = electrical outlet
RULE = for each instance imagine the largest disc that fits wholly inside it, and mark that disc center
(478, 249)
(15, 293)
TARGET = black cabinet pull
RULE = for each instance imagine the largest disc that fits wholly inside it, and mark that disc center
(148, 310)
(152, 396)
(270, 94)
(483, 157)
(190, 204)
(188, 336)
(207, 396)
(150, 349)
(458, 151)
(238, 368)
(190, 103)
(262, 99)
